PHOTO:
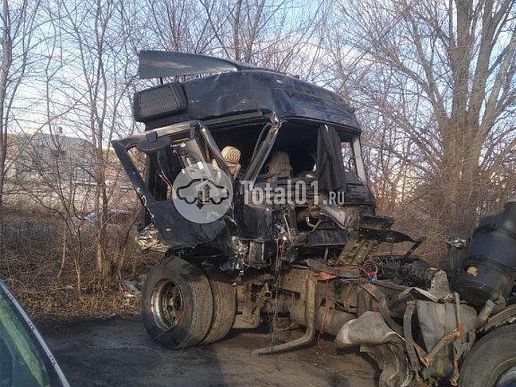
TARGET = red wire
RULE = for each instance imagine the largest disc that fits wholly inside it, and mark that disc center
(373, 274)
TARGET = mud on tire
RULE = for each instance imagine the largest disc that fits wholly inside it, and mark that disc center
(177, 304)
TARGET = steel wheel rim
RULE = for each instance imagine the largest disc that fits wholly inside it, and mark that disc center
(167, 304)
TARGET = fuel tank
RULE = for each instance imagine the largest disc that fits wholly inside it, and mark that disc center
(489, 270)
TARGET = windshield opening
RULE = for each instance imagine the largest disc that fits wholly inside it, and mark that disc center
(302, 150)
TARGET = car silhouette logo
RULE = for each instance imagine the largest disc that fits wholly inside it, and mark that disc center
(201, 192)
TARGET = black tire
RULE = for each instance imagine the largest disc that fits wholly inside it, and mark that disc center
(224, 310)
(177, 304)
(490, 358)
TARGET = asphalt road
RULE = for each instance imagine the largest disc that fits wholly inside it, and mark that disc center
(118, 352)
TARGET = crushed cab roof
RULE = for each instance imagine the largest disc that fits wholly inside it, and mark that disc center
(240, 88)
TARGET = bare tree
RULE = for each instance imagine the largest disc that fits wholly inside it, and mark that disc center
(19, 23)
(177, 25)
(96, 82)
(285, 36)
(443, 76)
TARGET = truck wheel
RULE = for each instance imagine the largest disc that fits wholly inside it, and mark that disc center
(177, 304)
(492, 361)
(224, 310)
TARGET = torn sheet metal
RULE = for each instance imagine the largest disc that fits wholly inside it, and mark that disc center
(369, 328)
(374, 336)
(437, 320)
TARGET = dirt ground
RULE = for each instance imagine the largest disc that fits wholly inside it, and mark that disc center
(118, 352)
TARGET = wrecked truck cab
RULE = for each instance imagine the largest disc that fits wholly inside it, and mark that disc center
(256, 192)
(260, 114)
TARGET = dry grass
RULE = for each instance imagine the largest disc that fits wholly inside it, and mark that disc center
(32, 261)
(30, 267)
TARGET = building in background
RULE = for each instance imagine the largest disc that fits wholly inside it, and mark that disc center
(51, 166)
(63, 159)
